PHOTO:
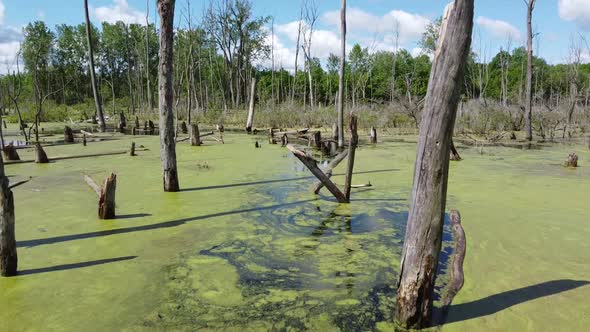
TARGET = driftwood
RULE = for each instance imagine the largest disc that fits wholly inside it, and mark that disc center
(373, 135)
(40, 155)
(571, 161)
(106, 195)
(457, 278)
(423, 238)
(354, 140)
(312, 165)
(10, 153)
(454, 153)
(68, 135)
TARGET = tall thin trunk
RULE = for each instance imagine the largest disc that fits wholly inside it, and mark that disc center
(340, 102)
(101, 122)
(529, 73)
(426, 216)
(147, 56)
(297, 55)
(166, 95)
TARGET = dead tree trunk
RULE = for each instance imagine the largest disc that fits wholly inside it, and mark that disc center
(373, 135)
(340, 102)
(99, 113)
(528, 127)
(316, 139)
(122, 123)
(40, 155)
(335, 162)
(354, 139)
(106, 196)
(425, 221)
(454, 153)
(8, 256)
(166, 94)
(68, 135)
(10, 153)
(184, 127)
(195, 135)
(250, 121)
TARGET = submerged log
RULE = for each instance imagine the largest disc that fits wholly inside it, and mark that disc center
(457, 277)
(40, 155)
(68, 135)
(8, 255)
(571, 161)
(354, 140)
(328, 171)
(195, 136)
(312, 165)
(373, 135)
(10, 153)
(454, 153)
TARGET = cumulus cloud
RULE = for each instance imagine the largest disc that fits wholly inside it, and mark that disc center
(499, 29)
(409, 26)
(119, 11)
(10, 39)
(577, 11)
(323, 42)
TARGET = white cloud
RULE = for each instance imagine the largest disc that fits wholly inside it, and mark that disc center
(2, 8)
(119, 11)
(409, 26)
(10, 39)
(577, 11)
(499, 29)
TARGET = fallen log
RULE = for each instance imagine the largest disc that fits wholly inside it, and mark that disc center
(40, 155)
(72, 157)
(328, 171)
(292, 132)
(86, 133)
(19, 183)
(106, 195)
(312, 165)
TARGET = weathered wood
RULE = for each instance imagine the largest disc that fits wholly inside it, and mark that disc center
(316, 139)
(132, 151)
(106, 201)
(354, 139)
(250, 121)
(292, 132)
(136, 121)
(68, 135)
(460, 247)
(184, 127)
(454, 153)
(8, 254)
(312, 165)
(335, 132)
(424, 230)
(10, 153)
(373, 135)
(328, 170)
(341, 74)
(195, 136)
(528, 123)
(166, 96)
(571, 161)
(92, 184)
(152, 127)
(271, 135)
(284, 140)
(86, 133)
(40, 155)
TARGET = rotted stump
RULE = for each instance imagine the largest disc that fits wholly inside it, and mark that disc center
(271, 136)
(316, 139)
(284, 140)
(68, 135)
(152, 127)
(572, 160)
(106, 201)
(40, 155)
(132, 151)
(373, 135)
(10, 153)
(8, 256)
(195, 135)
(183, 127)
(84, 139)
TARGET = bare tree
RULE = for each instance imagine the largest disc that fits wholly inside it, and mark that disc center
(147, 56)
(425, 221)
(340, 102)
(311, 16)
(99, 113)
(529, 72)
(166, 95)
(299, 28)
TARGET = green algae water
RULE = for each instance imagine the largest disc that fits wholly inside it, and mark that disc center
(246, 246)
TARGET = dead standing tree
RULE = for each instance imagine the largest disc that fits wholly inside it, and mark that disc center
(8, 256)
(250, 121)
(99, 112)
(340, 102)
(166, 95)
(425, 222)
(528, 126)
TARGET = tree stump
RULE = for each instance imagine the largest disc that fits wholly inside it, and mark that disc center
(106, 201)
(136, 121)
(8, 255)
(10, 153)
(271, 136)
(284, 140)
(84, 139)
(122, 123)
(183, 127)
(195, 135)
(134, 131)
(132, 151)
(316, 139)
(40, 155)
(572, 160)
(68, 135)
(373, 135)
(152, 127)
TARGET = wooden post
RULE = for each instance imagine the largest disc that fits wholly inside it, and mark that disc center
(354, 139)
(10, 153)
(40, 155)
(166, 96)
(373, 135)
(68, 135)
(425, 221)
(132, 151)
(250, 121)
(8, 255)
(195, 135)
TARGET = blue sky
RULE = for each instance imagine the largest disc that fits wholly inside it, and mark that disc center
(371, 22)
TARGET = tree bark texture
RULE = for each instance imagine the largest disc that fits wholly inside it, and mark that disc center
(8, 256)
(40, 155)
(528, 127)
(354, 140)
(250, 121)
